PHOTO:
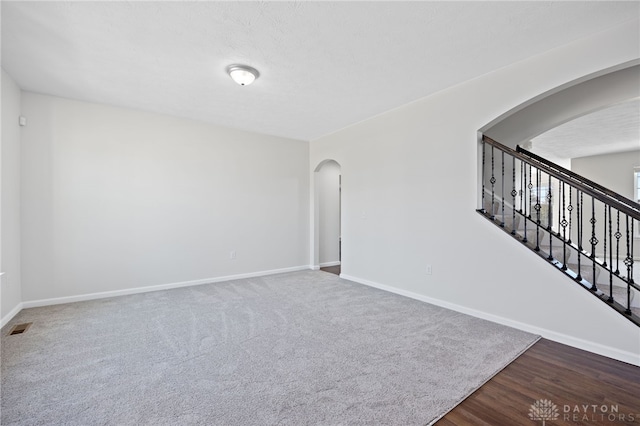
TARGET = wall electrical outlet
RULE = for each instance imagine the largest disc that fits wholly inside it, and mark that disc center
(429, 270)
(232, 254)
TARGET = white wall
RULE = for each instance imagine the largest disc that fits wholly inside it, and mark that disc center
(115, 199)
(329, 213)
(409, 194)
(10, 286)
(613, 171)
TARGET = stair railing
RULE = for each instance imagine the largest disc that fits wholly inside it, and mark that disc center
(582, 228)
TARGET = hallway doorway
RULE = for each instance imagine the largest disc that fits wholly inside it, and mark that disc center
(328, 211)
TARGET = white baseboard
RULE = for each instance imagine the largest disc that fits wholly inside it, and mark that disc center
(326, 264)
(628, 357)
(5, 319)
(314, 267)
(137, 290)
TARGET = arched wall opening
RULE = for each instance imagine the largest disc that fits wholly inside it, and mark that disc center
(549, 110)
(327, 214)
(614, 170)
(565, 103)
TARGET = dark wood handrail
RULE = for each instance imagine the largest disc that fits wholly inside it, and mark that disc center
(580, 178)
(599, 192)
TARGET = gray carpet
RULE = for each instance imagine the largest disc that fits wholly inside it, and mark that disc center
(305, 348)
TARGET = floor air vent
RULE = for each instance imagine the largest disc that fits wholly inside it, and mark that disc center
(20, 328)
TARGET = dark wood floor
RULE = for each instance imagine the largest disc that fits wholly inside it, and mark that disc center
(332, 269)
(567, 377)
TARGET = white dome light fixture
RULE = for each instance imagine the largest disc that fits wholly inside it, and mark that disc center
(244, 75)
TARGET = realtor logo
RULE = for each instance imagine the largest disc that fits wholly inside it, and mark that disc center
(543, 409)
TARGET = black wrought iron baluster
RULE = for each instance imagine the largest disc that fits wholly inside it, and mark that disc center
(522, 184)
(502, 196)
(631, 256)
(493, 184)
(549, 219)
(594, 241)
(524, 238)
(579, 225)
(563, 224)
(610, 299)
(570, 210)
(618, 235)
(537, 207)
(549, 205)
(632, 240)
(530, 189)
(513, 197)
(483, 177)
(581, 220)
(560, 208)
(628, 261)
(604, 251)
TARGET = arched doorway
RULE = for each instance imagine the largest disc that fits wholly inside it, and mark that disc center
(327, 218)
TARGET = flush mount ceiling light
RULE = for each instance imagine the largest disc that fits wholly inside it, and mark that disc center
(244, 75)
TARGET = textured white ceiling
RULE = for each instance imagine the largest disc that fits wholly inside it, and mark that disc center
(613, 129)
(323, 65)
